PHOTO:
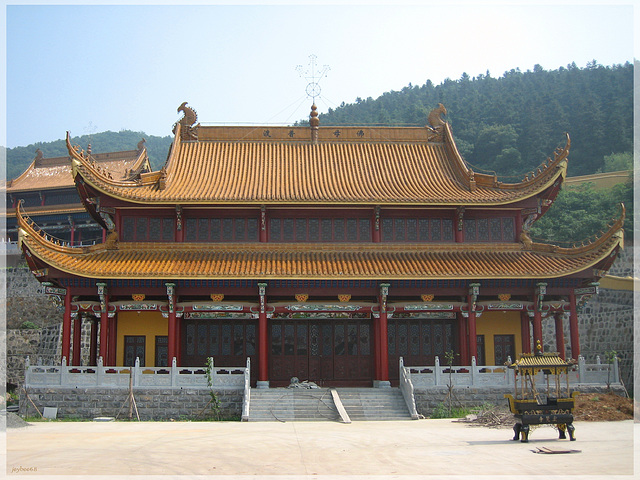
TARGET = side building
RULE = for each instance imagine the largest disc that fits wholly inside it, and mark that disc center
(323, 253)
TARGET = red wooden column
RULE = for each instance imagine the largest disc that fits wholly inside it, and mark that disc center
(77, 340)
(383, 345)
(525, 332)
(541, 290)
(462, 340)
(113, 340)
(66, 327)
(263, 337)
(474, 290)
(171, 323)
(573, 326)
(93, 343)
(376, 237)
(178, 338)
(263, 224)
(459, 235)
(559, 335)
(104, 320)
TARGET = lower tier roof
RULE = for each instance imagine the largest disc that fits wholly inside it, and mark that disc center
(313, 261)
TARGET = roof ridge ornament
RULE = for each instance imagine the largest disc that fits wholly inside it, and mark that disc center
(314, 122)
(188, 130)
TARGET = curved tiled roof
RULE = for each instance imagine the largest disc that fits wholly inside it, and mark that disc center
(350, 165)
(300, 261)
(56, 172)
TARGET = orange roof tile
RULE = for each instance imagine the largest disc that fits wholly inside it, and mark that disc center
(347, 261)
(55, 172)
(280, 165)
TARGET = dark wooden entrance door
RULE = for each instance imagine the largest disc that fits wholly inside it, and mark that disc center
(329, 352)
(229, 342)
(418, 341)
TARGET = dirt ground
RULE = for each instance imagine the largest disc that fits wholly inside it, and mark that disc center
(603, 407)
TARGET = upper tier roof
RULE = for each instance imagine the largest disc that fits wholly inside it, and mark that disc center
(55, 172)
(345, 261)
(325, 165)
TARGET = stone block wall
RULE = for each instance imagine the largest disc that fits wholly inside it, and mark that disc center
(153, 404)
(428, 399)
(606, 323)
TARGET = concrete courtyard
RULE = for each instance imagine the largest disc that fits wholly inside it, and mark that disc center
(409, 449)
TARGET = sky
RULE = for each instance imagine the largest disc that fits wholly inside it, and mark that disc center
(93, 68)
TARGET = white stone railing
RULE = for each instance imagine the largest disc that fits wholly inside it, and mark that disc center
(143, 377)
(246, 402)
(406, 387)
(496, 376)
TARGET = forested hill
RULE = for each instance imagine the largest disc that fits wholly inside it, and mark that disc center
(508, 125)
(513, 123)
(19, 158)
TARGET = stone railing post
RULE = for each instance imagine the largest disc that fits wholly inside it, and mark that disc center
(474, 370)
(616, 371)
(437, 371)
(64, 372)
(27, 373)
(582, 371)
(135, 372)
(100, 372)
(174, 371)
(511, 379)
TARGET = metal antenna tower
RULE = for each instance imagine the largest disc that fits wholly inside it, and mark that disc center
(313, 77)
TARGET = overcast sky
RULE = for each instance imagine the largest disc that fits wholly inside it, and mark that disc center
(89, 69)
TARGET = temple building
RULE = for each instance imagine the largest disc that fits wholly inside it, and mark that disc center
(50, 198)
(322, 253)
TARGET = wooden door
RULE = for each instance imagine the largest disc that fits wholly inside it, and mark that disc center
(332, 352)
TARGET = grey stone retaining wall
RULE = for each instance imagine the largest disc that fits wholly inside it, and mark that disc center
(153, 404)
(605, 322)
(428, 399)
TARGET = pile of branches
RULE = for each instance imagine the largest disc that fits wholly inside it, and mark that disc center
(492, 416)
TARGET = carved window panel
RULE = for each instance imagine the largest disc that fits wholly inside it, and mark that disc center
(483, 229)
(250, 342)
(314, 229)
(227, 229)
(288, 230)
(276, 339)
(365, 229)
(338, 230)
(423, 228)
(226, 339)
(252, 230)
(412, 230)
(495, 229)
(414, 338)
(215, 232)
(240, 230)
(426, 338)
(213, 341)
(141, 229)
(168, 230)
(203, 230)
(314, 339)
(275, 232)
(134, 347)
(128, 229)
(365, 339)
(327, 340)
(403, 340)
(391, 337)
(469, 230)
(447, 230)
(352, 340)
(201, 340)
(436, 230)
(191, 339)
(352, 230)
(301, 343)
(339, 339)
(155, 229)
(301, 229)
(508, 230)
(438, 339)
(289, 339)
(327, 229)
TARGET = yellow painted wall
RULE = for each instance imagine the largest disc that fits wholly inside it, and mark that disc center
(499, 323)
(148, 324)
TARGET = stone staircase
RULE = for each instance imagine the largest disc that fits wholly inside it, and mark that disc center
(292, 404)
(374, 404)
(317, 404)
